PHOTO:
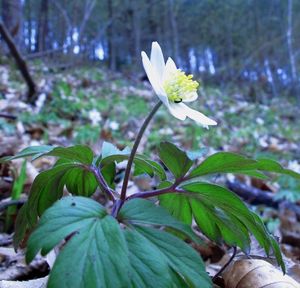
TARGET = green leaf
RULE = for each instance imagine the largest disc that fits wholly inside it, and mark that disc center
(142, 164)
(213, 222)
(33, 151)
(144, 212)
(109, 173)
(182, 258)
(17, 189)
(80, 181)
(224, 162)
(79, 153)
(240, 218)
(175, 159)
(101, 254)
(272, 166)
(48, 186)
(108, 149)
(96, 255)
(178, 205)
(21, 226)
(149, 267)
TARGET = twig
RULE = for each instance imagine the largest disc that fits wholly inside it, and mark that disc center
(8, 116)
(253, 195)
(20, 62)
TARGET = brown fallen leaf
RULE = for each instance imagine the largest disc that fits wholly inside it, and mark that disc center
(254, 273)
(35, 283)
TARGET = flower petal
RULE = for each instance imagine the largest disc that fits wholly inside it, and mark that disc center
(177, 111)
(152, 76)
(190, 97)
(157, 60)
(170, 69)
(196, 116)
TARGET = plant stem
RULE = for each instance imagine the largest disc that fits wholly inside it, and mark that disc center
(153, 193)
(102, 183)
(226, 265)
(134, 149)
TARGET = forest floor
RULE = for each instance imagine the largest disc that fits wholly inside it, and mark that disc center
(90, 105)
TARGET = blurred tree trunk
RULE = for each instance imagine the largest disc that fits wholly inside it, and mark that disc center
(29, 27)
(174, 30)
(42, 33)
(136, 32)
(12, 18)
(289, 36)
(112, 51)
(4, 33)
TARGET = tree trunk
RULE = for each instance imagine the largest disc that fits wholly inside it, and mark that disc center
(136, 32)
(20, 63)
(112, 51)
(42, 33)
(289, 36)
(174, 31)
(12, 18)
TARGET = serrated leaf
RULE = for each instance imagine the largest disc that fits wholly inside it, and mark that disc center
(155, 168)
(272, 166)
(81, 182)
(96, 255)
(144, 212)
(78, 153)
(21, 226)
(150, 269)
(33, 151)
(175, 159)
(182, 258)
(235, 209)
(108, 149)
(224, 162)
(48, 186)
(109, 173)
(142, 164)
(101, 254)
(178, 205)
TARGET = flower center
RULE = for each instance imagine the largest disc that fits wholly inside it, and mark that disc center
(180, 87)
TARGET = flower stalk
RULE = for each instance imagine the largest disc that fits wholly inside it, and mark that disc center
(134, 149)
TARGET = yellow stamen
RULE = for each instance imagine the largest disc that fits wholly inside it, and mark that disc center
(179, 86)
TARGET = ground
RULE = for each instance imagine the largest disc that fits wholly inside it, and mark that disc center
(89, 105)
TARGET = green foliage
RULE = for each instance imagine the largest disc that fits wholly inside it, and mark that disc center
(175, 159)
(17, 189)
(86, 134)
(71, 170)
(220, 215)
(111, 154)
(218, 212)
(33, 151)
(140, 255)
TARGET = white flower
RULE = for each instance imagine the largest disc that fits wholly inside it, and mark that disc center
(172, 86)
(95, 117)
(294, 165)
(113, 125)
